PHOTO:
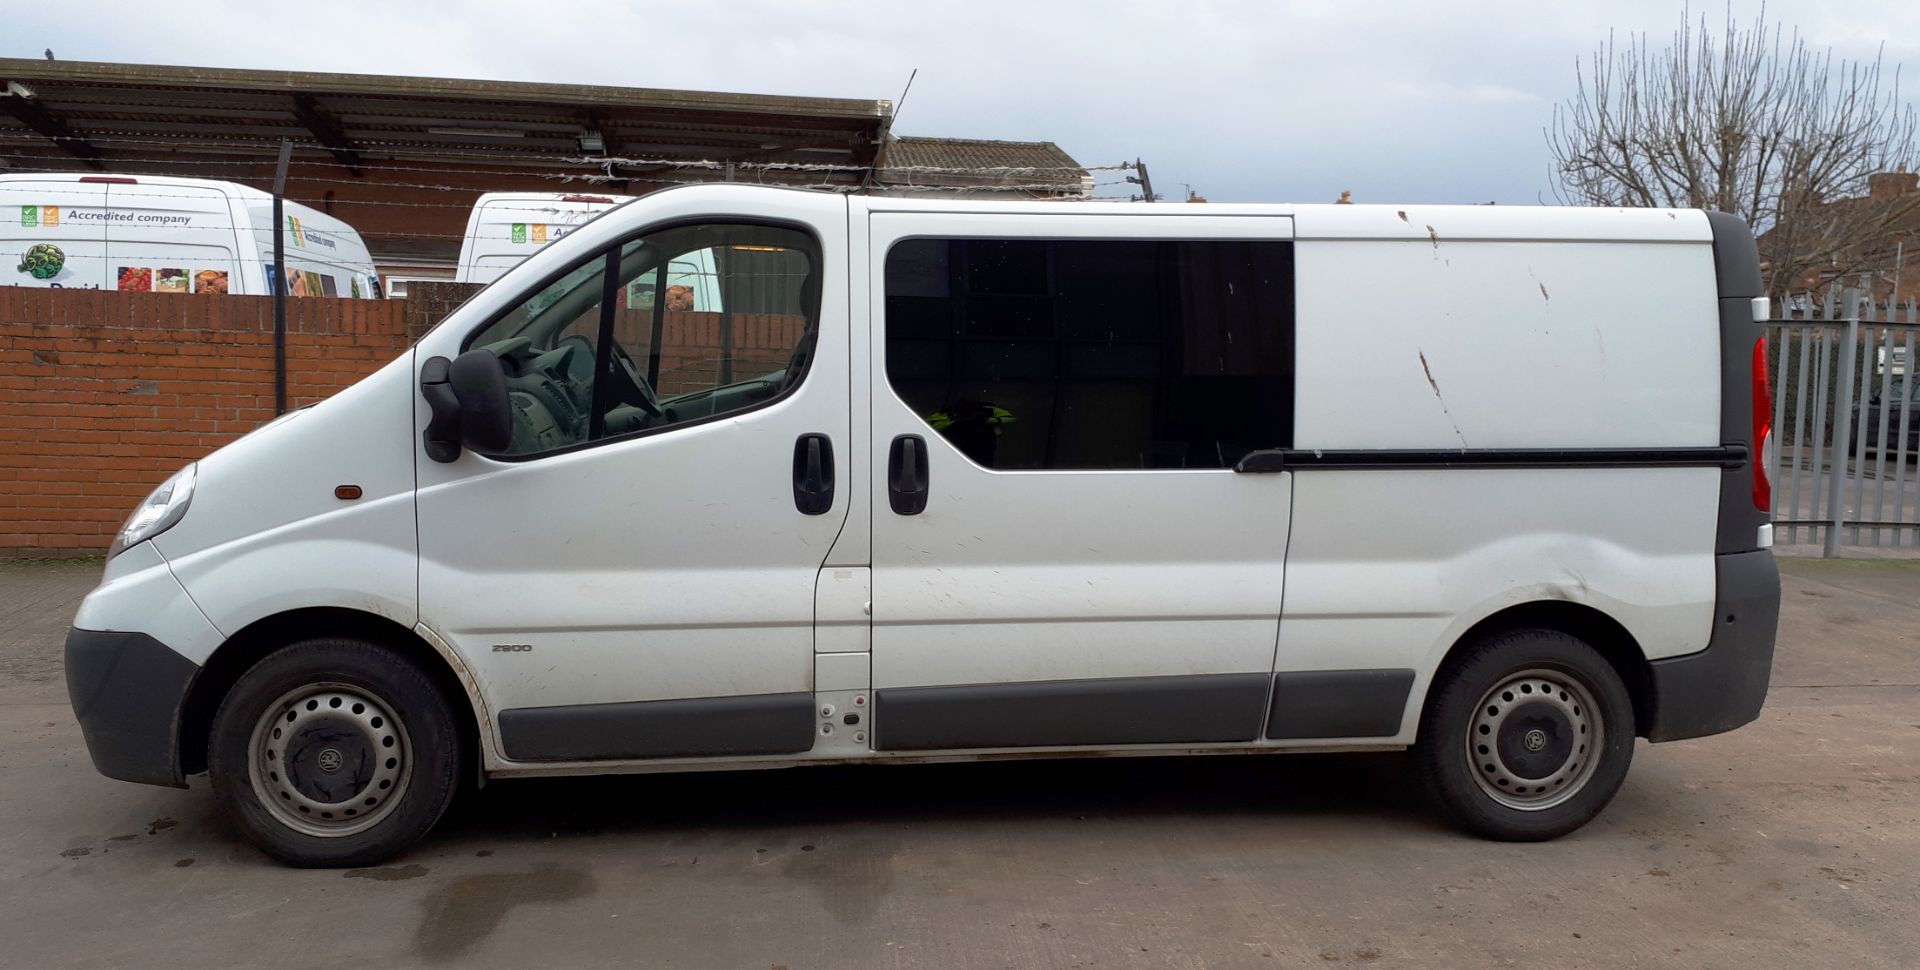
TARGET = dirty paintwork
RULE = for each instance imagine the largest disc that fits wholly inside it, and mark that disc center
(1427, 369)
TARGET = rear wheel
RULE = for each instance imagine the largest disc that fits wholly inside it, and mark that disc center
(1527, 736)
(334, 752)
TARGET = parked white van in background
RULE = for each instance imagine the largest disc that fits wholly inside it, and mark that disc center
(507, 227)
(962, 480)
(159, 234)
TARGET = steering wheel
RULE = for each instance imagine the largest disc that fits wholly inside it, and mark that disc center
(632, 389)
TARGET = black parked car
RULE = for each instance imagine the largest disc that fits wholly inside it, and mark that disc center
(1866, 420)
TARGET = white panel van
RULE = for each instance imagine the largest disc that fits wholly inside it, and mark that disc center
(159, 234)
(964, 480)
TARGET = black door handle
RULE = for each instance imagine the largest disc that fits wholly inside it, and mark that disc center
(813, 474)
(907, 474)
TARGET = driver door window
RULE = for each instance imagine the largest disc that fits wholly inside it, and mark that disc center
(679, 326)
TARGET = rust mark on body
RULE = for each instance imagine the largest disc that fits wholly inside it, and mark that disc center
(1440, 397)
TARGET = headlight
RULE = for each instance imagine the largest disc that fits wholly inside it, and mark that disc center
(157, 512)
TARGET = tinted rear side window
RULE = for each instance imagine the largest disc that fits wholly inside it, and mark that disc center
(1094, 354)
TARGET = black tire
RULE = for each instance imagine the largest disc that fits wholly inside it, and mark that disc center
(418, 717)
(1463, 790)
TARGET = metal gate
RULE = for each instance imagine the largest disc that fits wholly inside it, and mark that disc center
(1846, 423)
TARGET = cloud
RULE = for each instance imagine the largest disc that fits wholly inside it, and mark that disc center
(1443, 91)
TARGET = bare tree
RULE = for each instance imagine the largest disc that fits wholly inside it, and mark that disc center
(1750, 122)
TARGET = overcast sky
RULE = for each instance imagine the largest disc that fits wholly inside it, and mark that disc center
(1395, 100)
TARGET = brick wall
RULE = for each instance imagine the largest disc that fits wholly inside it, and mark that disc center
(429, 303)
(694, 343)
(103, 394)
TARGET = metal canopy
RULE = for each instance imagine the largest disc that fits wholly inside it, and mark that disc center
(402, 158)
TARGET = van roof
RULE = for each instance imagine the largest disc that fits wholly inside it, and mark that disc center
(577, 196)
(1435, 224)
(246, 194)
(174, 181)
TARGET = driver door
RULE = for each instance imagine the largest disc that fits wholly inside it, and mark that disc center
(634, 576)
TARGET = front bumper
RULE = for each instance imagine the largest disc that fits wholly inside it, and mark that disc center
(128, 690)
(1723, 686)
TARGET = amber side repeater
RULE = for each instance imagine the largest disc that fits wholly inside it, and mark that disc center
(346, 493)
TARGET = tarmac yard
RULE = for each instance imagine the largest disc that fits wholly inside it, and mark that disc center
(1793, 842)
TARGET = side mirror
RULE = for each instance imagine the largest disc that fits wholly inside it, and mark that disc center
(468, 398)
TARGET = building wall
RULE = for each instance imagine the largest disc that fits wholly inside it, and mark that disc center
(1890, 265)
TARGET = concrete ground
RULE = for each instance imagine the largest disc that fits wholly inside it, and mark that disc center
(1794, 842)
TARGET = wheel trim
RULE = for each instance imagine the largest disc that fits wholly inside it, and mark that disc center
(1535, 739)
(329, 760)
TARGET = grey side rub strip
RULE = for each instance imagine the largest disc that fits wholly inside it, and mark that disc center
(687, 728)
(1338, 703)
(1196, 709)
(1123, 710)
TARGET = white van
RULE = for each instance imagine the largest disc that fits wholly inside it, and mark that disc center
(963, 480)
(159, 234)
(507, 227)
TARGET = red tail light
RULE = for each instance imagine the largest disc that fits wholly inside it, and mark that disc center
(1762, 459)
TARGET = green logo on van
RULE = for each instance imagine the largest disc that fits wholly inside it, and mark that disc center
(519, 232)
(29, 215)
(42, 261)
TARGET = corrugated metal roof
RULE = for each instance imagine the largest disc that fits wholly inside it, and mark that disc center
(93, 111)
(1041, 167)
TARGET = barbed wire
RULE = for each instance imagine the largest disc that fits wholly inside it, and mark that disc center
(7, 139)
(21, 140)
(594, 161)
(599, 172)
(821, 186)
(849, 167)
(504, 234)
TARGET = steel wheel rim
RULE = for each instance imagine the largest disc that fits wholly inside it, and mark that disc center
(1519, 731)
(320, 742)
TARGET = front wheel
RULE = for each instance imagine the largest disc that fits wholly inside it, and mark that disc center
(334, 752)
(1526, 737)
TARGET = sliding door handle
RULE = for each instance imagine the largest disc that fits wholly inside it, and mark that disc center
(907, 474)
(813, 474)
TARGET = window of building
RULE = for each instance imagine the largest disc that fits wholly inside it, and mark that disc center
(1056, 353)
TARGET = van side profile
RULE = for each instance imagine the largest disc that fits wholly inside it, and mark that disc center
(962, 480)
(160, 234)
